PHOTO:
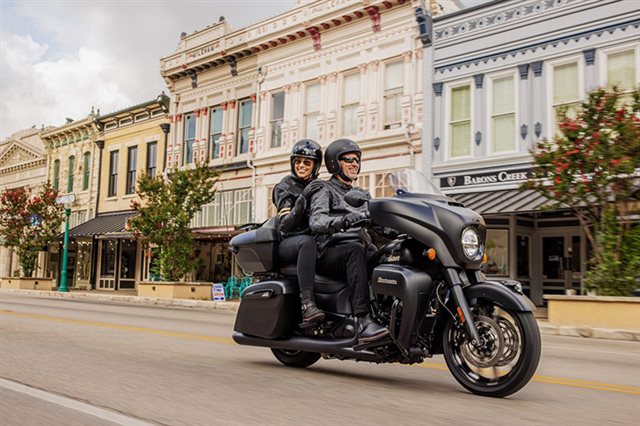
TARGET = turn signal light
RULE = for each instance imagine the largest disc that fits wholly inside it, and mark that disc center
(431, 254)
(485, 258)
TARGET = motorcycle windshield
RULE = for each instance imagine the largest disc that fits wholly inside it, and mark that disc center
(413, 182)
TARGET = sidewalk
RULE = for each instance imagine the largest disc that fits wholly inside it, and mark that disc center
(129, 297)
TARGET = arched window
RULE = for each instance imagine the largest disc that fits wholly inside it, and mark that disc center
(86, 170)
(72, 167)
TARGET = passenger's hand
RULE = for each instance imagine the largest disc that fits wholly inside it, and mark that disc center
(301, 204)
(312, 188)
(352, 218)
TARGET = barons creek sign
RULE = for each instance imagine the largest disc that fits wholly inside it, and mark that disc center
(485, 178)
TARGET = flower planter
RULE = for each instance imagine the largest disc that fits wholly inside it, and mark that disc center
(174, 290)
(595, 311)
(24, 283)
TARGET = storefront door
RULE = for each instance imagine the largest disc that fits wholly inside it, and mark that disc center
(560, 263)
(127, 278)
(108, 260)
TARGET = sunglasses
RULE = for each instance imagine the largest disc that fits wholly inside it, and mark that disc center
(305, 161)
(350, 160)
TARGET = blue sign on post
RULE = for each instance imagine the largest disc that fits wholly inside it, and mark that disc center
(218, 293)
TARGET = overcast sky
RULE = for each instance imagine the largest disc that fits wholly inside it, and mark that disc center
(60, 58)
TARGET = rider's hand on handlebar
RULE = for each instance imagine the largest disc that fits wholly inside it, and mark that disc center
(353, 218)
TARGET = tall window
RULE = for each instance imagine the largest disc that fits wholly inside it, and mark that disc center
(189, 137)
(152, 158)
(460, 124)
(86, 170)
(503, 115)
(132, 161)
(621, 72)
(383, 189)
(393, 84)
(277, 115)
(72, 168)
(350, 101)
(215, 131)
(228, 208)
(566, 92)
(244, 125)
(56, 174)
(113, 174)
(312, 111)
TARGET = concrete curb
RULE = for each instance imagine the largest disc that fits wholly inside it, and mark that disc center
(545, 327)
(134, 300)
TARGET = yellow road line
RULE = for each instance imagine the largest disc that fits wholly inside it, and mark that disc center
(609, 387)
(121, 327)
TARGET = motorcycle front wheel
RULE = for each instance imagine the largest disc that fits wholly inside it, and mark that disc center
(298, 359)
(508, 357)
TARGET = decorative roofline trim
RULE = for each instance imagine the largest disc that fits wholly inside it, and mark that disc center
(533, 47)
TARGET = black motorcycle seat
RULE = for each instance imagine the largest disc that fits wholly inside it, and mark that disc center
(323, 284)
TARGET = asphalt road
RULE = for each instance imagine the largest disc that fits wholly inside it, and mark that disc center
(67, 362)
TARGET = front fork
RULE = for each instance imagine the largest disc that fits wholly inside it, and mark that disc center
(464, 311)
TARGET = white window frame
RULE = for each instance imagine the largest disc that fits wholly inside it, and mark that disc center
(548, 69)
(603, 57)
(447, 130)
(489, 108)
(273, 122)
(351, 105)
(399, 94)
(311, 114)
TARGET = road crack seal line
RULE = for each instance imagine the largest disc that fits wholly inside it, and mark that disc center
(609, 387)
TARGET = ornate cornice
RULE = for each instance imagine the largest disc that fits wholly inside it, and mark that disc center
(624, 26)
(520, 12)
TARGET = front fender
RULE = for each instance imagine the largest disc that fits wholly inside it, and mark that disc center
(506, 297)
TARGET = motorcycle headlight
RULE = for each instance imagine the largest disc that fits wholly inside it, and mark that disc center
(470, 242)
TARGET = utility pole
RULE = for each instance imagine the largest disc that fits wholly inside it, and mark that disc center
(425, 28)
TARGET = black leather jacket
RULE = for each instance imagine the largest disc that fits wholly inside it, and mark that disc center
(293, 218)
(328, 207)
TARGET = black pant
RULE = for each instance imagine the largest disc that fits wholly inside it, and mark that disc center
(348, 259)
(302, 250)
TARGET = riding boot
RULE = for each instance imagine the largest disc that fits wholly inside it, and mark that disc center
(369, 329)
(310, 312)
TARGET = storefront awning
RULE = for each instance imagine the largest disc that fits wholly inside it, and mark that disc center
(105, 224)
(504, 201)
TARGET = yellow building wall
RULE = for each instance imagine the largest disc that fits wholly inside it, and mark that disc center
(121, 139)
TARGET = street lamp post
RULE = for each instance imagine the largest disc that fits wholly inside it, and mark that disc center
(65, 248)
(67, 200)
(425, 29)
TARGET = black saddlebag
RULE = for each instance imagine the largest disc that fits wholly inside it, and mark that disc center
(269, 309)
(255, 250)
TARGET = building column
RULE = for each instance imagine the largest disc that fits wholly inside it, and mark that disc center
(590, 74)
(540, 128)
(480, 143)
(524, 109)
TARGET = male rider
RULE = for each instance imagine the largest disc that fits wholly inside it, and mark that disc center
(341, 240)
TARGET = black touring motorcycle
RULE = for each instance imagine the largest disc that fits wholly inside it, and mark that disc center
(426, 287)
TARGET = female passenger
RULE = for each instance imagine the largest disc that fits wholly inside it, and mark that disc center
(297, 244)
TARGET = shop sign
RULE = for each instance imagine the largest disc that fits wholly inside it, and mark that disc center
(504, 176)
(218, 292)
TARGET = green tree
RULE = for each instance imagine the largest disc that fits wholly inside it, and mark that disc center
(163, 215)
(28, 222)
(590, 167)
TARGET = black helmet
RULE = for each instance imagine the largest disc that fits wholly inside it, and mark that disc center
(309, 149)
(335, 150)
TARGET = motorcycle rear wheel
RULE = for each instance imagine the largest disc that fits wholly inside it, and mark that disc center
(507, 363)
(298, 359)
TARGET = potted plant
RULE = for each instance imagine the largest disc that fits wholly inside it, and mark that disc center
(590, 167)
(28, 222)
(161, 220)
